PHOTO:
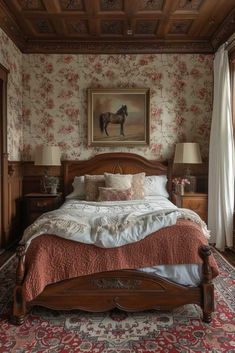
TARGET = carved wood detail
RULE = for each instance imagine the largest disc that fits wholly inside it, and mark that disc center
(128, 290)
(117, 26)
(19, 304)
(127, 163)
(207, 286)
(4, 199)
(112, 283)
(14, 208)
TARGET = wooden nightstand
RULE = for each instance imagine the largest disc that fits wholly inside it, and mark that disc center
(38, 203)
(194, 201)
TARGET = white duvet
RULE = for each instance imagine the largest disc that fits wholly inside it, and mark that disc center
(112, 224)
(109, 224)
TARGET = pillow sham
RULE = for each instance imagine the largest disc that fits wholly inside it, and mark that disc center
(118, 181)
(112, 194)
(92, 184)
(138, 181)
(78, 189)
(137, 184)
(155, 185)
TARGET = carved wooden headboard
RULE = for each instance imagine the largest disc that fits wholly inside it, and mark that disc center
(124, 163)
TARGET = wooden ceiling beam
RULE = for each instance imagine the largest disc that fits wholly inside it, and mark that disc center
(60, 27)
(131, 7)
(92, 7)
(213, 13)
(217, 16)
(93, 28)
(168, 10)
(52, 6)
(15, 9)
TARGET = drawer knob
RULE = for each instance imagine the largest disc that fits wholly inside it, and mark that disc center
(41, 204)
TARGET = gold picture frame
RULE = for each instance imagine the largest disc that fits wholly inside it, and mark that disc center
(118, 116)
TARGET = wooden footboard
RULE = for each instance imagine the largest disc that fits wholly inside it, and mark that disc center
(128, 290)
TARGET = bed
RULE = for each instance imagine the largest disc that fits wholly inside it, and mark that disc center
(126, 289)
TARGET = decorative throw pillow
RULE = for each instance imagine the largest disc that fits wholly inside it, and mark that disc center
(112, 194)
(92, 184)
(138, 186)
(118, 181)
(155, 185)
(78, 188)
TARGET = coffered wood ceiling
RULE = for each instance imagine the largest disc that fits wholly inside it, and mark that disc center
(118, 26)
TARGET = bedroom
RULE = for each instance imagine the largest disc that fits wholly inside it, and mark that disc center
(49, 76)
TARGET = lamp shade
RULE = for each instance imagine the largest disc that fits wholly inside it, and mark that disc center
(47, 155)
(187, 152)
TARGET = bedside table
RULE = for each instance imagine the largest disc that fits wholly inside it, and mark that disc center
(38, 203)
(194, 201)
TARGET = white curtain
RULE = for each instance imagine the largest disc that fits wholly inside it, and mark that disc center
(221, 157)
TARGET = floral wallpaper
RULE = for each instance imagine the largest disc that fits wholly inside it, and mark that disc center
(11, 59)
(47, 99)
(55, 99)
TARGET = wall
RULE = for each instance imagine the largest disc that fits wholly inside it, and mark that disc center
(55, 99)
(11, 59)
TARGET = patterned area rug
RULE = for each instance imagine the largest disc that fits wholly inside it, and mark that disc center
(117, 332)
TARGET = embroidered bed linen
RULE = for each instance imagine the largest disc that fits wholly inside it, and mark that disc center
(109, 224)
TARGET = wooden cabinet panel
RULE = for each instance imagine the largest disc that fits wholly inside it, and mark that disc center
(37, 204)
(194, 201)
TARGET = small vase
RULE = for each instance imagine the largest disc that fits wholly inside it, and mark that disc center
(54, 189)
(181, 187)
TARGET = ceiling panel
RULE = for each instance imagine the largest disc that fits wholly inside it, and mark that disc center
(72, 5)
(118, 25)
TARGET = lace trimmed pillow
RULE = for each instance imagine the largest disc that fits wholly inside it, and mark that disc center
(138, 181)
(92, 184)
(112, 194)
(118, 181)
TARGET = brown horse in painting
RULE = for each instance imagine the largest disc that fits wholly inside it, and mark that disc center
(114, 118)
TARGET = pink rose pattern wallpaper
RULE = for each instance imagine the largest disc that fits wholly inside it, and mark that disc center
(55, 99)
(11, 59)
(53, 89)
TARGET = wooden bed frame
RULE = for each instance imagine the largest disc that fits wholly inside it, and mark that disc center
(128, 290)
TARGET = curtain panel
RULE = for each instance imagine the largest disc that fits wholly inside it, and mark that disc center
(221, 157)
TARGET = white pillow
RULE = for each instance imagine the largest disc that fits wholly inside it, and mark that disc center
(78, 188)
(155, 185)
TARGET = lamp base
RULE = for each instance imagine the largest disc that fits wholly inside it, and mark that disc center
(192, 187)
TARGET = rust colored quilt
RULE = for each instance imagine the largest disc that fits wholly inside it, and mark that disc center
(51, 259)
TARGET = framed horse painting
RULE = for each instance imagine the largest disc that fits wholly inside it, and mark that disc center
(118, 117)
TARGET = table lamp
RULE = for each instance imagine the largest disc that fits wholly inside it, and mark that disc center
(48, 156)
(188, 153)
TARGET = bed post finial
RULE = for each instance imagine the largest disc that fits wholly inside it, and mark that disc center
(207, 286)
(169, 177)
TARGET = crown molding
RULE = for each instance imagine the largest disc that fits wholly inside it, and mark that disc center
(117, 47)
(226, 29)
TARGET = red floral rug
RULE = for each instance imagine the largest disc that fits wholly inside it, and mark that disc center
(117, 332)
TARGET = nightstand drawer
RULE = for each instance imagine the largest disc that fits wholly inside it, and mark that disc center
(197, 205)
(37, 204)
(196, 202)
(41, 204)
